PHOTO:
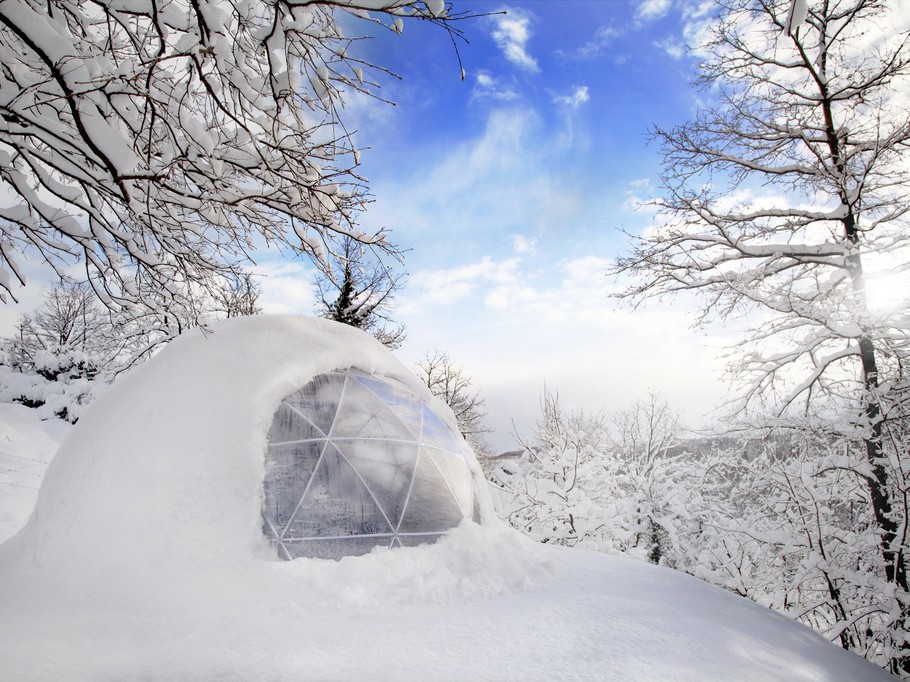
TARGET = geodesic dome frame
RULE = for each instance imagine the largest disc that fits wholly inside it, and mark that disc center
(355, 461)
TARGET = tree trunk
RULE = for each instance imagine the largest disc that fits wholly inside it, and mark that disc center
(877, 483)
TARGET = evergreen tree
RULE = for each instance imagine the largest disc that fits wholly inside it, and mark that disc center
(359, 291)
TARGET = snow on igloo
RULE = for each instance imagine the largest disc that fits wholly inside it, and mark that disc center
(268, 437)
(356, 461)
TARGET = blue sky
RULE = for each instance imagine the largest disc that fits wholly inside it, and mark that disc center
(510, 191)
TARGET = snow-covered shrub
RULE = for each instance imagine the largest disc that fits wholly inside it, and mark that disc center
(556, 482)
(59, 383)
(793, 529)
(66, 352)
(62, 355)
(620, 489)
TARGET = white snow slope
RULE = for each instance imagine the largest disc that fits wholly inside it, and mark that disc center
(144, 559)
(27, 444)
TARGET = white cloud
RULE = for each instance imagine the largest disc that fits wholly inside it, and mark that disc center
(698, 10)
(673, 47)
(523, 326)
(596, 46)
(522, 244)
(567, 290)
(574, 99)
(634, 199)
(639, 204)
(651, 10)
(487, 86)
(447, 287)
(511, 33)
(287, 287)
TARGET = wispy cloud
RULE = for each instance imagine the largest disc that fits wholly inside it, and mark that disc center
(596, 46)
(489, 87)
(673, 47)
(287, 287)
(651, 10)
(510, 284)
(524, 244)
(639, 196)
(451, 286)
(560, 322)
(578, 96)
(512, 31)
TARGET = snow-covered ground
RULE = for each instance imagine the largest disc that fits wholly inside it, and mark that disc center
(27, 444)
(144, 558)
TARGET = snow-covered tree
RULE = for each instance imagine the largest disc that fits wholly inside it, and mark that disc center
(240, 296)
(358, 289)
(781, 518)
(450, 383)
(564, 489)
(158, 143)
(61, 354)
(64, 352)
(645, 438)
(785, 194)
(787, 523)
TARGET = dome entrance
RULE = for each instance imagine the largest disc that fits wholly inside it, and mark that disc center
(356, 461)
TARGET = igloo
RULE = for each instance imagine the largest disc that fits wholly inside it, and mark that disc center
(265, 438)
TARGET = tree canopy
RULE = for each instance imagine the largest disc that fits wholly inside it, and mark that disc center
(782, 194)
(158, 142)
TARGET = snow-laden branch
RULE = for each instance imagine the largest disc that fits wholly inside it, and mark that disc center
(783, 189)
(159, 142)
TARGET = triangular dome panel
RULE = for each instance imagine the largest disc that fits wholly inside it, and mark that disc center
(387, 468)
(362, 414)
(457, 475)
(400, 401)
(319, 400)
(287, 472)
(431, 506)
(337, 503)
(290, 426)
(435, 433)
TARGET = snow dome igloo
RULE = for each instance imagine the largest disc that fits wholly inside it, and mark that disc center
(265, 438)
(357, 461)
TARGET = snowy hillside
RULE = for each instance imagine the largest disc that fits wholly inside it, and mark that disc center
(145, 558)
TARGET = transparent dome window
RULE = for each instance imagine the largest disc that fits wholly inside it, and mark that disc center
(357, 461)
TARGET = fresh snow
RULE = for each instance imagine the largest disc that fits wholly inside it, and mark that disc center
(144, 558)
(27, 444)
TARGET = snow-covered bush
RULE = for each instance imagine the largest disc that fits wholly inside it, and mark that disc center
(62, 355)
(59, 383)
(557, 494)
(580, 481)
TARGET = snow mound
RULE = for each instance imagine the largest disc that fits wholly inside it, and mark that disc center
(27, 444)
